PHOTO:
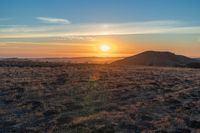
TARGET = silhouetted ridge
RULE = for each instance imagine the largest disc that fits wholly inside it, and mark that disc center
(155, 58)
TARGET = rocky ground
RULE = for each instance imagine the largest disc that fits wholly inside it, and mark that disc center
(99, 99)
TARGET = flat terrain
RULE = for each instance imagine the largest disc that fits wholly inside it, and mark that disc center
(99, 99)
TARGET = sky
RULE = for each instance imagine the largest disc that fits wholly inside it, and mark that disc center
(76, 28)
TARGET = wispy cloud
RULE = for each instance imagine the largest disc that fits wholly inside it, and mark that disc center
(53, 20)
(146, 27)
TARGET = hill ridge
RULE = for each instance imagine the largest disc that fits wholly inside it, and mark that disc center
(156, 58)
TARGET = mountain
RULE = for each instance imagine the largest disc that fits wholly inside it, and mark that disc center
(156, 58)
(82, 60)
(90, 60)
(197, 59)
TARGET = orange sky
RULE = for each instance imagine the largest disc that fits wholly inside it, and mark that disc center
(119, 48)
(76, 28)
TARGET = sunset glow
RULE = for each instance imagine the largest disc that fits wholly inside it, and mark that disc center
(98, 28)
(104, 47)
(98, 66)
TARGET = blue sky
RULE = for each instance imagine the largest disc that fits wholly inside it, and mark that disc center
(143, 24)
(92, 11)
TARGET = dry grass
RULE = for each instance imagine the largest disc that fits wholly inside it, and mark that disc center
(99, 98)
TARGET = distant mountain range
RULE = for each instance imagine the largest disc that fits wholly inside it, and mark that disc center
(197, 59)
(156, 58)
(147, 58)
(89, 60)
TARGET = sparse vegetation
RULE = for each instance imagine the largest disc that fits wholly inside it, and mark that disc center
(77, 98)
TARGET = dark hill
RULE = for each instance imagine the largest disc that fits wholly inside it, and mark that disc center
(155, 58)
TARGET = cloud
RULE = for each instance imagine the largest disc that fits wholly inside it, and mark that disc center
(53, 20)
(95, 29)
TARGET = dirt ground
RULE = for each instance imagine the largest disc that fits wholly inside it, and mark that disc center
(99, 99)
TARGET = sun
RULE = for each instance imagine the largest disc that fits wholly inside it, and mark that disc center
(104, 47)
